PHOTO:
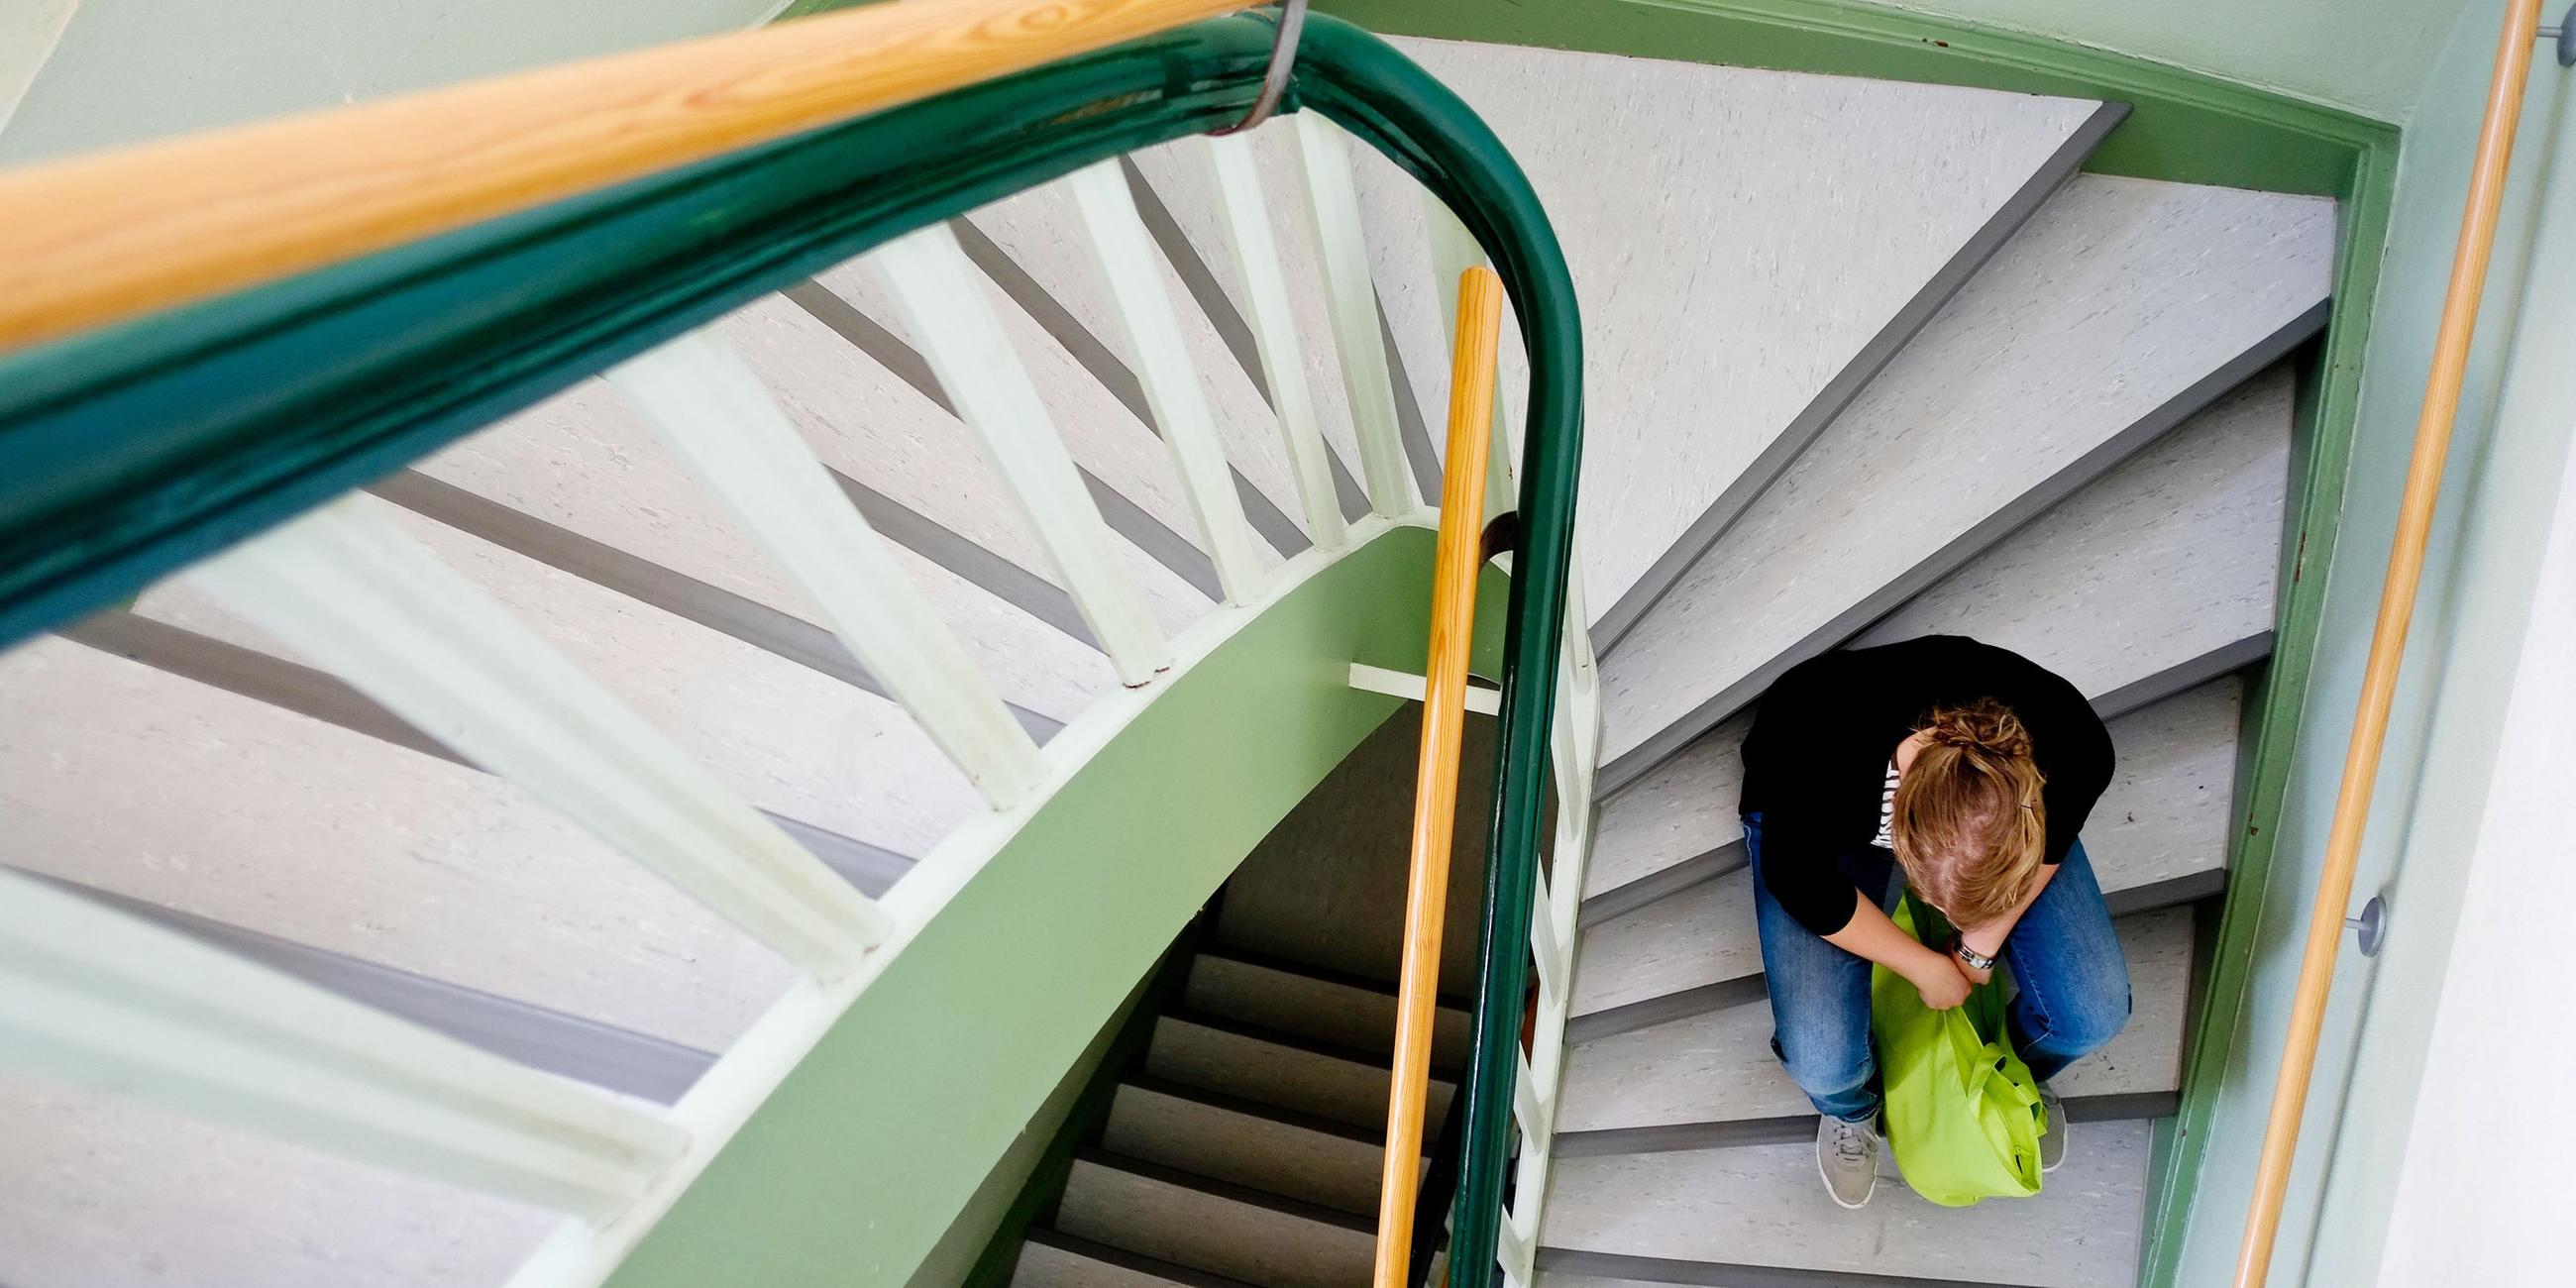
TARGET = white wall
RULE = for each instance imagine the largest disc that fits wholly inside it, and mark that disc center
(2370, 57)
(2500, 500)
(136, 69)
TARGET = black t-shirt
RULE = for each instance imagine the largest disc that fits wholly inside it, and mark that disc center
(1816, 761)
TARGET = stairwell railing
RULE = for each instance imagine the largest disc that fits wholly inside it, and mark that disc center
(208, 344)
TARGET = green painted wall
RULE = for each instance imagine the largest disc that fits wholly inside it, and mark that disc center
(128, 70)
(854, 1170)
(2496, 498)
(2370, 57)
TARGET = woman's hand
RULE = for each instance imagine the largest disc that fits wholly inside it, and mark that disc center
(1940, 983)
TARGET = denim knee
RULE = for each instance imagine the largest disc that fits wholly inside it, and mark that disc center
(1823, 1063)
(2087, 1021)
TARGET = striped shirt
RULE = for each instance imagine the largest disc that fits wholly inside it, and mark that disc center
(1886, 838)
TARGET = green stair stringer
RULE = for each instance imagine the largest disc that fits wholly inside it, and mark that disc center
(850, 1171)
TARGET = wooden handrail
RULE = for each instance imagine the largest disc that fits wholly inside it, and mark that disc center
(1435, 794)
(95, 240)
(2388, 637)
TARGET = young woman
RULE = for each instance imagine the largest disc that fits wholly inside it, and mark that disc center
(1969, 769)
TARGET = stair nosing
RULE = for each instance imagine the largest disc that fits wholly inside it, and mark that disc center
(1255, 1109)
(1847, 383)
(1325, 974)
(1789, 1129)
(1632, 765)
(1725, 1274)
(1113, 1255)
(1230, 1191)
(1750, 987)
(1295, 1042)
(1104, 365)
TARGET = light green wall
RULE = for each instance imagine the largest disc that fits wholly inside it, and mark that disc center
(2477, 586)
(2370, 57)
(128, 70)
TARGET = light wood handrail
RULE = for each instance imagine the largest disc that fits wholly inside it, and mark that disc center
(95, 240)
(1435, 793)
(2388, 637)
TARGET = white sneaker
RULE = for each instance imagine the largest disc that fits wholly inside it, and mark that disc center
(1847, 1157)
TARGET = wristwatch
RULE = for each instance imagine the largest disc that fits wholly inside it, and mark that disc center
(1976, 960)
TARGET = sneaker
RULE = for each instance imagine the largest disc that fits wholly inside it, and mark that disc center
(2052, 1144)
(1847, 1157)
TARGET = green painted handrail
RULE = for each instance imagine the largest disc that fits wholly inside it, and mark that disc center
(138, 449)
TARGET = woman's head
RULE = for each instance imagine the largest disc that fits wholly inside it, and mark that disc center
(1970, 827)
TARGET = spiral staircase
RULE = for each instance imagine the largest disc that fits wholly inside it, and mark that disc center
(1867, 360)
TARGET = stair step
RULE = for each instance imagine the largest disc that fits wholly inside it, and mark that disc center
(2158, 836)
(260, 818)
(583, 462)
(1717, 1067)
(2126, 306)
(1034, 246)
(1299, 1001)
(2161, 573)
(1297, 1155)
(1872, 200)
(1051, 1259)
(896, 437)
(1763, 1206)
(1275, 1069)
(1208, 1225)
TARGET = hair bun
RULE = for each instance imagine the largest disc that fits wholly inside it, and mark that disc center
(1983, 725)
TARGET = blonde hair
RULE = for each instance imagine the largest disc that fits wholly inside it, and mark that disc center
(1970, 827)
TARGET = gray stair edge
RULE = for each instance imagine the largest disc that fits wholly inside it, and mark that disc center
(1142, 530)
(1209, 293)
(644, 581)
(1095, 356)
(1181, 1178)
(1792, 1128)
(1830, 402)
(1246, 1107)
(1324, 974)
(1680, 732)
(1700, 999)
(2173, 681)
(1715, 1274)
(319, 695)
(1136, 1262)
(585, 1050)
(1297, 1042)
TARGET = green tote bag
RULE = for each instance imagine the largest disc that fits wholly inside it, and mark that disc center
(1963, 1113)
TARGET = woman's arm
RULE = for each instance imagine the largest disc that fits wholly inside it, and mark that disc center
(1934, 974)
(1988, 940)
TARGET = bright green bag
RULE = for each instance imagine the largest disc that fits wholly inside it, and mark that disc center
(1963, 1113)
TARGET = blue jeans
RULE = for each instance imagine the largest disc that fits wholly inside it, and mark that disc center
(2063, 956)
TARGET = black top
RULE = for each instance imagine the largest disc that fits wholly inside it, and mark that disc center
(1817, 758)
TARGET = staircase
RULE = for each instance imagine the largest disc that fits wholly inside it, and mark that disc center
(1868, 361)
(1961, 389)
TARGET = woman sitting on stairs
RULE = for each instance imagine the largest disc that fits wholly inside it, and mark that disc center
(1971, 769)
